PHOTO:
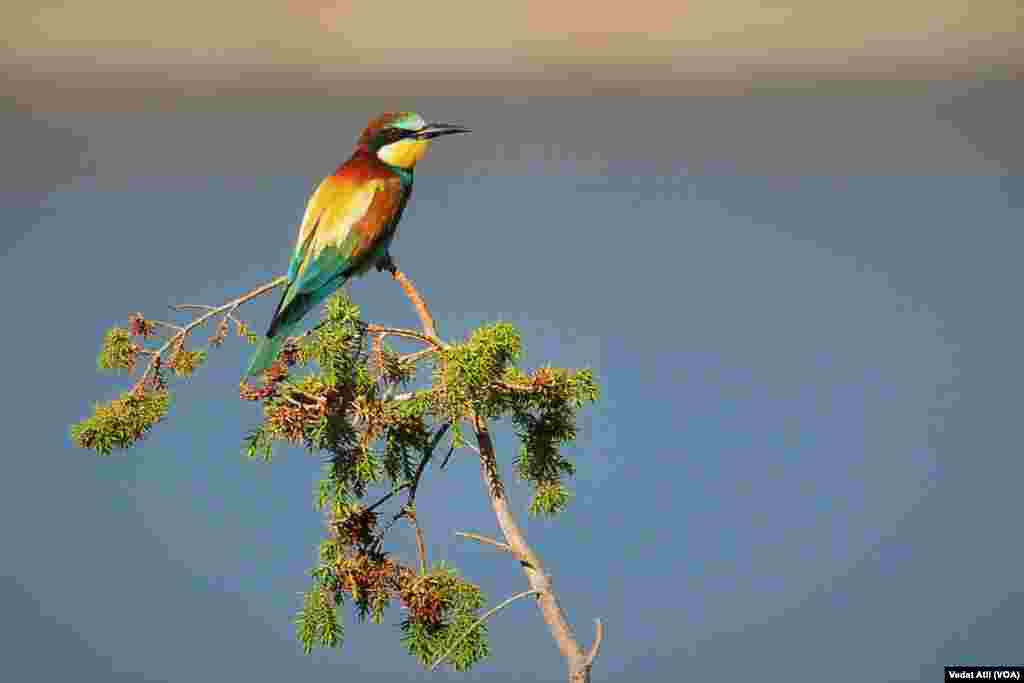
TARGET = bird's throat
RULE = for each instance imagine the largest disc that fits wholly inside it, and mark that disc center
(404, 153)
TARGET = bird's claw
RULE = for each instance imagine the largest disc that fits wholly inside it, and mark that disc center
(387, 264)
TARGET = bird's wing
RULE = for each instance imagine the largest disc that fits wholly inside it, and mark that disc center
(334, 202)
(343, 223)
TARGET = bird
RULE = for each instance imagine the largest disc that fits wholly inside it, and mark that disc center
(350, 221)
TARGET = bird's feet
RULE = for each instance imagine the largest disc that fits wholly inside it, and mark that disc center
(385, 263)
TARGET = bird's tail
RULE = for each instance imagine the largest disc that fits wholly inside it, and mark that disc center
(268, 349)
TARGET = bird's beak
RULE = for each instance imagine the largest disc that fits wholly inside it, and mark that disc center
(436, 130)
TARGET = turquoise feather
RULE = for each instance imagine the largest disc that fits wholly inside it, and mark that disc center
(268, 349)
(350, 221)
(300, 305)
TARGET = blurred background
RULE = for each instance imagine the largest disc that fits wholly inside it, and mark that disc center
(786, 236)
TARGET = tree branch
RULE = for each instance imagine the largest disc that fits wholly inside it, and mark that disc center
(444, 463)
(484, 539)
(421, 547)
(596, 647)
(170, 326)
(539, 579)
(427, 455)
(426, 319)
(387, 497)
(477, 623)
(178, 338)
(579, 663)
(398, 332)
(409, 509)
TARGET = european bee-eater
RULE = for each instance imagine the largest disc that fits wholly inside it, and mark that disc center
(350, 220)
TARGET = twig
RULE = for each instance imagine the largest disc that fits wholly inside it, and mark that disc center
(444, 463)
(230, 315)
(378, 352)
(596, 647)
(399, 332)
(409, 510)
(170, 326)
(512, 386)
(426, 319)
(387, 497)
(186, 307)
(415, 356)
(479, 621)
(539, 579)
(579, 663)
(179, 337)
(421, 547)
(427, 454)
(484, 539)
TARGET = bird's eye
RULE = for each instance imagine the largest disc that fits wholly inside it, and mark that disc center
(390, 135)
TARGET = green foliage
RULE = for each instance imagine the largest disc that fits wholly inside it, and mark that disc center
(456, 602)
(317, 623)
(185, 362)
(441, 605)
(466, 373)
(394, 369)
(259, 443)
(118, 351)
(406, 438)
(334, 489)
(477, 377)
(245, 333)
(121, 422)
(550, 498)
(334, 395)
(336, 346)
(543, 408)
(427, 644)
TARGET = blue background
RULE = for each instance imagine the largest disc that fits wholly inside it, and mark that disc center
(803, 311)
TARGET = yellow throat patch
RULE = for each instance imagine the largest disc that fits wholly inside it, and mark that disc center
(404, 153)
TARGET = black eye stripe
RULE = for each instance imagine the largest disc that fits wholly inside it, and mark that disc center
(389, 135)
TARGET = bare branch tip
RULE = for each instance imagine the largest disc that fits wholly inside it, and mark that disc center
(484, 539)
(486, 615)
(595, 649)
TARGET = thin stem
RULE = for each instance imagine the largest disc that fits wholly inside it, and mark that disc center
(415, 356)
(178, 339)
(399, 332)
(409, 511)
(231, 316)
(444, 463)
(540, 580)
(170, 326)
(197, 307)
(596, 647)
(482, 619)
(579, 663)
(387, 497)
(421, 547)
(420, 305)
(484, 539)
(427, 455)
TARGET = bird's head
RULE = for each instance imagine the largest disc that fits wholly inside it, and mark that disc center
(402, 138)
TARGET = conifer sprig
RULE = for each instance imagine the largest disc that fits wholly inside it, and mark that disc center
(335, 392)
(120, 424)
